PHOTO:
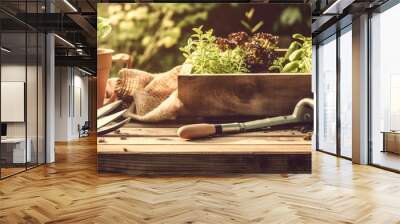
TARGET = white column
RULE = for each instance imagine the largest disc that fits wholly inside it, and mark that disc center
(50, 98)
(360, 90)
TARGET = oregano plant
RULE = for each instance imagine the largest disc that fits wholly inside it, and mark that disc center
(207, 57)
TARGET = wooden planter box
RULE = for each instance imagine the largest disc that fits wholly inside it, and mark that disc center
(260, 94)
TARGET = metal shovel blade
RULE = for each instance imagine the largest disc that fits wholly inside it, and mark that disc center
(101, 122)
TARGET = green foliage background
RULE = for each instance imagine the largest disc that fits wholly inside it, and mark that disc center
(152, 33)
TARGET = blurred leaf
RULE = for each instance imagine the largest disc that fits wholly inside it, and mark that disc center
(103, 28)
(245, 24)
(137, 14)
(168, 23)
(249, 14)
(257, 26)
(170, 38)
(290, 16)
(146, 40)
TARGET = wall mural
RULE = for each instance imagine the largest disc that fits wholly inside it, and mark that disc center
(197, 76)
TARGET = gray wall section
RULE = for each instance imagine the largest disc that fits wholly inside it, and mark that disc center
(61, 103)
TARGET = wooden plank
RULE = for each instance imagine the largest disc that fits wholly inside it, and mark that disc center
(203, 164)
(249, 94)
(205, 141)
(205, 149)
(165, 124)
(212, 120)
(171, 132)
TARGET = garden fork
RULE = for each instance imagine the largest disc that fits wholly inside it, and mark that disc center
(104, 118)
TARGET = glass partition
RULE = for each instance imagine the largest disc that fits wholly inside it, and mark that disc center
(14, 146)
(32, 97)
(22, 90)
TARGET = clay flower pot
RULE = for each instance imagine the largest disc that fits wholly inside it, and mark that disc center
(104, 62)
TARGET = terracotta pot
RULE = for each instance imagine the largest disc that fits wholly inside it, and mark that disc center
(104, 61)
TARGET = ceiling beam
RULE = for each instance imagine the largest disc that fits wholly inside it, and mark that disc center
(84, 24)
(337, 7)
(78, 61)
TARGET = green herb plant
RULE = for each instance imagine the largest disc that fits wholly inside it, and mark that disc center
(298, 58)
(206, 56)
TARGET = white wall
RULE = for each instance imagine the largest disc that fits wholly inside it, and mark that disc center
(14, 73)
(71, 103)
(61, 104)
(80, 108)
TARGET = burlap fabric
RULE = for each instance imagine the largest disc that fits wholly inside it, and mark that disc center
(152, 97)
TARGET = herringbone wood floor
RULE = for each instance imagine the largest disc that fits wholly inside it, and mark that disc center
(70, 191)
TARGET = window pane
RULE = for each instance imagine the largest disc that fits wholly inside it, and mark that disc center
(327, 96)
(385, 84)
(346, 94)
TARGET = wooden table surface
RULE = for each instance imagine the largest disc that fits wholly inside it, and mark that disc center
(139, 138)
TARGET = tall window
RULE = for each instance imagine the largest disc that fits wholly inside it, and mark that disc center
(326, 100)
(385, 88)
(345, 43)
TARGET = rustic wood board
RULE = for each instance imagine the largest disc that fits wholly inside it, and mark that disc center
(203, 164)
(151, 150)
(246, 94)
(171, 132)
(204, 149)
(165, 140)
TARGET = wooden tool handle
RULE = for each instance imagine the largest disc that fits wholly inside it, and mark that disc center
(193, 131)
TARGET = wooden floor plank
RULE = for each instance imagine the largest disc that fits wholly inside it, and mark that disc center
(71, 191)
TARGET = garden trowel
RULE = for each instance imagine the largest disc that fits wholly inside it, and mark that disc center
(303, 113)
